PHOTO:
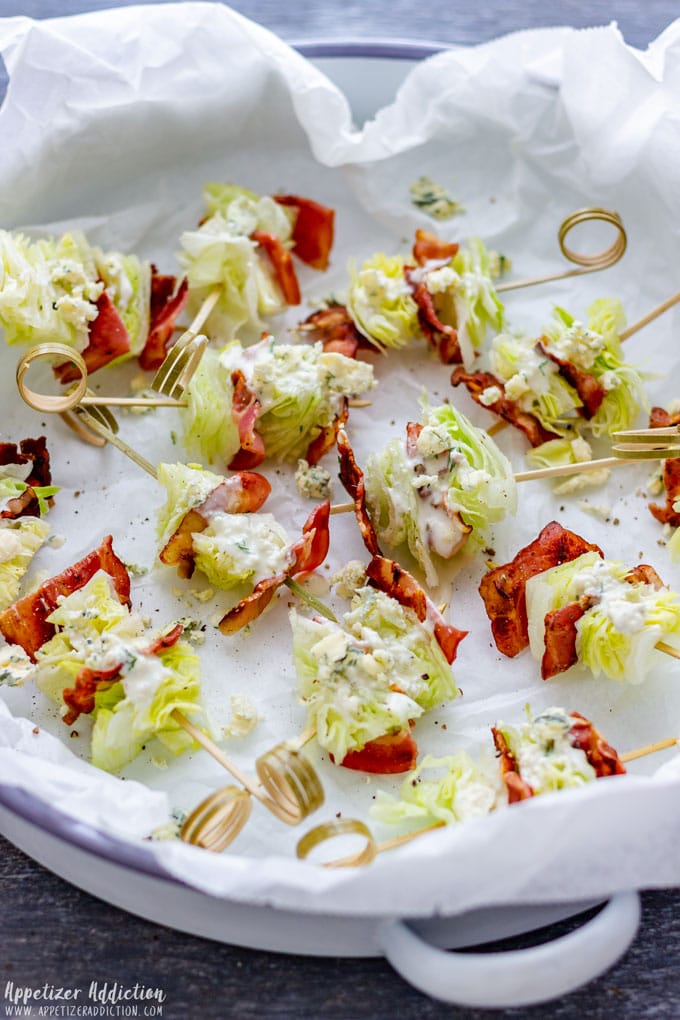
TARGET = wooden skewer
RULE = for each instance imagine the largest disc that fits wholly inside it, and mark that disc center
(660, 745)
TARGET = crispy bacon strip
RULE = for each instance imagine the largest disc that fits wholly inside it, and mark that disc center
(644, 574)
(305, 555)
(282, 263)
(560, 638)
(503, 589)
(352, 477)
(327, 437)
(599, 753)
(428, 246)
(517, 788)
(586, 385)
(245, 410)
(28, 450)
(313, 230)
(443, 338)
(661, 419)
(81, 697)
(477, 382)
(388, 576)
(25, 622)
(335, 329)
(560, 624)
(107, 339)
(384, 756)
(166, 304)
(244, 492)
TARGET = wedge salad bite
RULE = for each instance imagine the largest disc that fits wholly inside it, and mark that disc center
(554, 750)
(563, 599)
(108, 306)
(271, 400)
(443, 485)
(91, 655)
(366, 678)
(26, 494)
(441, 293)
(572, 380)
(210, 523)
(243, 249)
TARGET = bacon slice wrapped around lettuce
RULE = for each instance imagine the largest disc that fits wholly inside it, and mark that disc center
(282, 401)
(366, 678)
(243, 249)
(194, 498)
(103, 662)
(303, 556)
(503, 589)
(563, 598)
(448, 297)
(554, 750)
(167, 301)
(489, 392)
(27, 623)
(445, 482)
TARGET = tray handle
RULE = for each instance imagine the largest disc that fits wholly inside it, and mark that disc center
(519, 977)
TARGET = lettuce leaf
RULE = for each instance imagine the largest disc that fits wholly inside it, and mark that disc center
(597, 349)
(209, 428)
(380, 303)
(235, 548)
(19, 542)
(187, 485)
(299, 386)
(370, 674)
(463, 791)
(48, 289)
(457, 469)
(546, 758)
(221, 254)
(123, 725)
(10, 488)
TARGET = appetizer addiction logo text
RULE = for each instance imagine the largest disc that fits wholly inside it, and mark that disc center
(100, 999)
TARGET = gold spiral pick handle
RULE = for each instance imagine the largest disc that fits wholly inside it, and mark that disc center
(218, 819)
(291, 783)
(43, 401)
(600, 260)
(587, 263)
(331, 830)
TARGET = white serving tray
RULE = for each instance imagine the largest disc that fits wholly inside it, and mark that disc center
(129, 877)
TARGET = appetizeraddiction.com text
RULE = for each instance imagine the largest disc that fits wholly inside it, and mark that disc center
(99, 999)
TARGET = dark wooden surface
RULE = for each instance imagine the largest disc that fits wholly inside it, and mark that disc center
(51, 932)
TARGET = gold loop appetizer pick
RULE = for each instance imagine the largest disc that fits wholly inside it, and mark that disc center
(78, 395)
(353, 827)
(218, 819)
(291, 789)
(587, 263)
(290, 779)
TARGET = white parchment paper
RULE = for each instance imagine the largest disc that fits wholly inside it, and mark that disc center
(112, 122)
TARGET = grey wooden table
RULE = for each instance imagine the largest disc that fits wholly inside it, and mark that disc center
(53, 933)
